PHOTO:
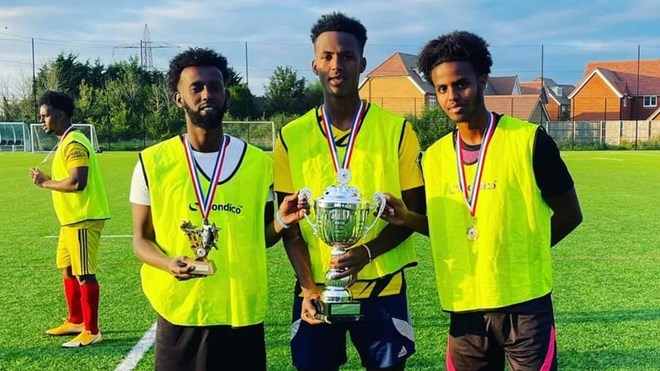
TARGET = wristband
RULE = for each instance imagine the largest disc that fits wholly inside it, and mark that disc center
(368, 252)
(281, 221)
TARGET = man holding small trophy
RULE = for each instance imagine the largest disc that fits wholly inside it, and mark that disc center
(202, 219)
(350, 273)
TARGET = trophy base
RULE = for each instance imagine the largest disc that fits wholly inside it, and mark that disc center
(203, 268)
(347, 312)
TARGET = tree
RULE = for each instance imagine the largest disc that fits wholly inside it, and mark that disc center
(20, 106)
(86, 108)
(432, 125)
(164, 118)
(313, 95)
(284, 92)
(64, 73)
(242, 104)
(232, 78)
(123, 101)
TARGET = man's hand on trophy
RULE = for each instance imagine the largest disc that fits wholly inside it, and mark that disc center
(350, 263)
(293, 209)
(181, 268)
(395, 210)
(308, 310)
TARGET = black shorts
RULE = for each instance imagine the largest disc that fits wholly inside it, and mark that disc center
(209, 347)
(526, 339)
(383, 338)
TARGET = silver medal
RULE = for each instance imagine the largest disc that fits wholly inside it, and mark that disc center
(343, 176)
(472, 232)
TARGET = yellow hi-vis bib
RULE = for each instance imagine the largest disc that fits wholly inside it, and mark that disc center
(89, 204)
(510, 261)
(374, 168)
(236, 294)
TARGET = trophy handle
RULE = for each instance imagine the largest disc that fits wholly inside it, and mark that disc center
(381, 202)
(306, 194)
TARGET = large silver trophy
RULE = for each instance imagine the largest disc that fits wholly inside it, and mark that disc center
(341, 221)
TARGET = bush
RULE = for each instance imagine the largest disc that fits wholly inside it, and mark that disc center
(432, 125)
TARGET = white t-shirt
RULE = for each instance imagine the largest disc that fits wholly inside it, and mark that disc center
(206, 160)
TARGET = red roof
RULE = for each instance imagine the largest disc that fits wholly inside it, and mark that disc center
(623, 75)
(520, 106)
(392, 66)
(401, 65)
(501, 85)
(530, 88)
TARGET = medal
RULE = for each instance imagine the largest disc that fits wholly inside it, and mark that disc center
(472, 232)
(205, 199)
(471, 198)
(204, 238)
(343, 174)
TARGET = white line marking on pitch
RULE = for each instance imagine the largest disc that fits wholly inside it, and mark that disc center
(637, 153)
(136, 354)
(607, 158)
(102, 236)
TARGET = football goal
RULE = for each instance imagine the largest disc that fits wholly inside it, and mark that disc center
(42, 142)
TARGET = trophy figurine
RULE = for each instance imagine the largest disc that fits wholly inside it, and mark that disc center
(201, 242)
(341, 221)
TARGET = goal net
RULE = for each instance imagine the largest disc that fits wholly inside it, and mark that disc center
(260, 134)
(42, 142)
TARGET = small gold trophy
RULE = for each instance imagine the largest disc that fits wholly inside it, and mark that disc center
(201, 242)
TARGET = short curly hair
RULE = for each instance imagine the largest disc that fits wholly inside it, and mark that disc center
(339, 22)
(59, 100)
(455, 47)
(195, 57)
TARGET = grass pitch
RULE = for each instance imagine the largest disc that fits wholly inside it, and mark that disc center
(607, 275)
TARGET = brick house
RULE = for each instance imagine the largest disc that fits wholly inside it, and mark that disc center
(398, 86)
(617, 90)
(558, 105)
(505, 95)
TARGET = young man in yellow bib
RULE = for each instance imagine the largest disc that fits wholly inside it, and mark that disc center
(380, 150)
(498, 197)
(220, 187)
(81, 206)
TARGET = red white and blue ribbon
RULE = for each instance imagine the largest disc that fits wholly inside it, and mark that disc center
(205, 200)
(66, 132)
(355, 128)
(471, 198)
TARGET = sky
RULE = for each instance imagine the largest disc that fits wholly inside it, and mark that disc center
(554, 39)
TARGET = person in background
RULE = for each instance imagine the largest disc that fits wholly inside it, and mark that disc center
(81, 205)
(499, 196)
(220, 186)
(380, 150)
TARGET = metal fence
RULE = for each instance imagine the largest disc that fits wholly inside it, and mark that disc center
(616, 133)
(18, 136)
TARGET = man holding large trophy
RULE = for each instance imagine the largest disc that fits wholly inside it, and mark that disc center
(349, 264)
(202, 219)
